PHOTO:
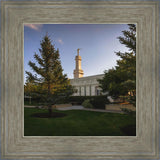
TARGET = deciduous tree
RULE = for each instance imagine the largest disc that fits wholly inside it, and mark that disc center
(121, 80)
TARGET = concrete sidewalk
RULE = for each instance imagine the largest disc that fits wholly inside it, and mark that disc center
(102, 110)
(71, 108)
(79, 107)
(27, 106)
(87, 109)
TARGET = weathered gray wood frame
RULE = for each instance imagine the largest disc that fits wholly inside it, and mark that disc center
(15, 145)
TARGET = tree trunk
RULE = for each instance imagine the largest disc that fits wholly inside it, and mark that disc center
(123, 99)
(50, 110)
(49, 106)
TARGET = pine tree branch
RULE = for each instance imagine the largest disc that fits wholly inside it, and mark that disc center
(36, 69)
(39, 60)
(31, 78)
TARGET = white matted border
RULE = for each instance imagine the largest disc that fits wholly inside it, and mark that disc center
(15, 145)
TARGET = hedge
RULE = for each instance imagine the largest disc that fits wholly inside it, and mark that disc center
(98, 102)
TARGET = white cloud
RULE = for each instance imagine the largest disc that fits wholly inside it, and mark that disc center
(60, 41)
(36, 27)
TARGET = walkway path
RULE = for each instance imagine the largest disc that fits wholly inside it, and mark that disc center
(102, 110)
(87, 109)
(79, 107)
(27, 106)
(71, 108)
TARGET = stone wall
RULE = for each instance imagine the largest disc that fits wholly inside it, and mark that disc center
(117, 107)
(61, 105)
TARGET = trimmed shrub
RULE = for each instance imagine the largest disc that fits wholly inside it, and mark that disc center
(87, 104)
(97, 101)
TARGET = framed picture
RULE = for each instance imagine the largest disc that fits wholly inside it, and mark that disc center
(15, 15)
(79, 91)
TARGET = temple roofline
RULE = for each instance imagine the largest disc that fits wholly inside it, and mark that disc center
(97, 75)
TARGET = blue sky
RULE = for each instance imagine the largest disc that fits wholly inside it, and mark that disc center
(98, 43)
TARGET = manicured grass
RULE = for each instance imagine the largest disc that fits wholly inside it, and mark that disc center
(78, 123)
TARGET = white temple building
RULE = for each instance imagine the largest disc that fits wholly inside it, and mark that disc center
(85, 86)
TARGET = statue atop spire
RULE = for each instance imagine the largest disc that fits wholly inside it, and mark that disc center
(78, 51)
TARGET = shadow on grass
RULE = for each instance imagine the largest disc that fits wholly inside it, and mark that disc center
(129, 130)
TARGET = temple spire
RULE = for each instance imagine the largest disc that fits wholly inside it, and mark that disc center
(78, 72)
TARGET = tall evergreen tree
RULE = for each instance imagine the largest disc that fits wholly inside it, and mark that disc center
(121, 80)
(49, 82)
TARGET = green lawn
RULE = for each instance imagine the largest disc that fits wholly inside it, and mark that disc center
(79, 123)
